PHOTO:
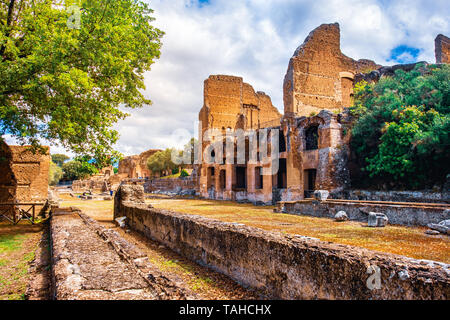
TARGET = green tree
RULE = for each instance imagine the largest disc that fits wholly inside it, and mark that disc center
(59, 159)
(161, 162)
(54, 174)
(64, 82)
(402, 127)
(78, 169)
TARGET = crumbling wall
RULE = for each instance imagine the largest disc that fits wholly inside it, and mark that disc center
(25, 178)
(136, 166)
(319, 76)
(442, 49)
(172, 185)
(290, 267)
(228, 97)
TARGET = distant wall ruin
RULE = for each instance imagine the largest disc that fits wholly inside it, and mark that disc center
(136, 166)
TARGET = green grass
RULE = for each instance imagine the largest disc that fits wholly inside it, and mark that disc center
(17, 249)
(9, 243)
(172, 176)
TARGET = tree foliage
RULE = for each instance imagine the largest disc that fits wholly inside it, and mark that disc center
(66, 84)
(402, 127)
(54, 174)
(59, 159)
(161, 162)
(78, 169)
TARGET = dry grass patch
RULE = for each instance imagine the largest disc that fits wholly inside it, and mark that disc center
(17, 246)
(407, 241)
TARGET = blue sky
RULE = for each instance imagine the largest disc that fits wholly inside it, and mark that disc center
(255, 39)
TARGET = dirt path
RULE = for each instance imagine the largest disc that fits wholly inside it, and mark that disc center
(193, 278)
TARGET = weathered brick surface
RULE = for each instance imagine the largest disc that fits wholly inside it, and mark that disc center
(24, 174)
(442, 49)
(135, 166)
(227, 98)
(319, 76)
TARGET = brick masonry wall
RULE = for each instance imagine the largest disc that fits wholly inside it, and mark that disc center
(24, 174)
(442, 49)
(285, 266)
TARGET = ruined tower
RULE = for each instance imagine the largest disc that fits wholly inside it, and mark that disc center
(319, 75)
(442, 49)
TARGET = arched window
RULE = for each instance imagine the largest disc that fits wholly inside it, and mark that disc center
(311, 137)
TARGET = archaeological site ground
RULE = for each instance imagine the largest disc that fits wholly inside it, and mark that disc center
(341, 193)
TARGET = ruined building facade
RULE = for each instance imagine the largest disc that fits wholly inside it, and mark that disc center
(23, 174)
(312, 148)
(134, 167)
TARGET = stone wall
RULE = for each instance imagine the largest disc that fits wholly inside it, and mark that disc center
(442, 49)
(24, 174)
(319, 76)
(289, 267)
(172, 185)
(397, 213)
(398, 196)
(94, 185)
(136, 166)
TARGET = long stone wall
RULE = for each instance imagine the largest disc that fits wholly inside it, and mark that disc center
(400, 196)
(408, 214)
(289, 267)
(171, 185)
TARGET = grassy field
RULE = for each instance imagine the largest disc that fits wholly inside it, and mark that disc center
(408, 241)
(17, 246)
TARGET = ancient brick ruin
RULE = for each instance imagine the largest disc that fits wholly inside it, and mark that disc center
(312, 148)
(319, 76)
(24, 174)
(136, 166)
(442, 45)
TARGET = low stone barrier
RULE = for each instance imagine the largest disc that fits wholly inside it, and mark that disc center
(408, 214)
(399, 196)
(289, 267)
(171, 185)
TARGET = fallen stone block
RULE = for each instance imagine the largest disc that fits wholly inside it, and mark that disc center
(321, 195)
(121, 222)
(442, 227)
(377, 219)
(341, 216)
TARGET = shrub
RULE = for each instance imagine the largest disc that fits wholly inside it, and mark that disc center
(402, 127)
(184, 173)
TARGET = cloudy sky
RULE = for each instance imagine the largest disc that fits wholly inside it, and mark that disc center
(254, 39)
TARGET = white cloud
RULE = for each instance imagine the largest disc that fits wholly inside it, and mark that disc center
(255, 39)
